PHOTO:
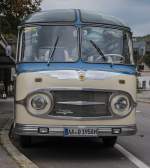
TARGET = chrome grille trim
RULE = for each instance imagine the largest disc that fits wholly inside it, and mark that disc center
(81, 103)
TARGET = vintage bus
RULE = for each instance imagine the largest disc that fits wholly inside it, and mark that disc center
(75, 77)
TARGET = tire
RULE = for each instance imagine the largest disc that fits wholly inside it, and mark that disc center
(25, 141)
(109, 141)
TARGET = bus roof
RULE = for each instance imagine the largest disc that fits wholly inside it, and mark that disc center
(74, 16)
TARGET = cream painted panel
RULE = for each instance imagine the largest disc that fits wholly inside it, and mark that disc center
(25, 83)
(23, 117)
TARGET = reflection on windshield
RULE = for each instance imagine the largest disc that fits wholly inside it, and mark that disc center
(99, 43)
(39, 43)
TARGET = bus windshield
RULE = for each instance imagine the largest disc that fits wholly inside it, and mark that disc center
(105, 45)
(49, 43)
(60, 44)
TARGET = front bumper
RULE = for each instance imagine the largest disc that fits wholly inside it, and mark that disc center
(33, 130)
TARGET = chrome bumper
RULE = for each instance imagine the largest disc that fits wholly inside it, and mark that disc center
(33, 130)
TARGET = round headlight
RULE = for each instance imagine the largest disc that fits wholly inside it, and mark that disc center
(120, 105)
(39, 103)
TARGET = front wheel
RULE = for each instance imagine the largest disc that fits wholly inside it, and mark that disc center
(109, 141)
(25, 141)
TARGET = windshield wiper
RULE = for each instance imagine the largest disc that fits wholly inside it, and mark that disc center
(53, 51)
(98, 49)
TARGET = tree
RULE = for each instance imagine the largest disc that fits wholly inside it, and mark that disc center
(14, 11)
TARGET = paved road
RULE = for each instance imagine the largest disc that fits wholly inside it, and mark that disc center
(139, 144)
(5, 111)
(73, 153)
(87, 153)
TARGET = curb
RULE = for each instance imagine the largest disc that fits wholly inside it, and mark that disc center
(17, 156)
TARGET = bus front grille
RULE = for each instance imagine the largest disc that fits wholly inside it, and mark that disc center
(74, 103)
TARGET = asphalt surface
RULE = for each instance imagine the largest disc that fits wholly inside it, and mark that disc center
(73, 153)
(87, 153)
(6, 107)
(139, 144)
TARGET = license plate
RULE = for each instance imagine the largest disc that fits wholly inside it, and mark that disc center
(79, 132)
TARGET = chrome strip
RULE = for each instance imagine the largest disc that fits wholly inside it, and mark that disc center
(32, 130)
(75, 74)
(75, 89)
(81, 103)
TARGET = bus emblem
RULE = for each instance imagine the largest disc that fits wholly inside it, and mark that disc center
(81, 76)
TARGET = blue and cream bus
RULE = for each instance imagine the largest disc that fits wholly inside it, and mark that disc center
(75, 77)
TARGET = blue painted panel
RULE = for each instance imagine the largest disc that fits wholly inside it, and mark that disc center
(32, 67)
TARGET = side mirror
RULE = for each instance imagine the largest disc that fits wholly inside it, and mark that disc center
(140, 67)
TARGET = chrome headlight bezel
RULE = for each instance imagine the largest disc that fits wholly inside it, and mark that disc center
(48, 97)
(116, 112)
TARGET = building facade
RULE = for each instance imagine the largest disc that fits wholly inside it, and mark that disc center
(144, 79)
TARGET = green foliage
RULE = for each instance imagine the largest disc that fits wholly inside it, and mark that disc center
(143, 38)
(147, 60)
(137, 58)
(14, 11)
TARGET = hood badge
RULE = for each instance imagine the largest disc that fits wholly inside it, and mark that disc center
(82, 76)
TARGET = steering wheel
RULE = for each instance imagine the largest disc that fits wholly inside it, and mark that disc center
(96, 59)
(111, 56)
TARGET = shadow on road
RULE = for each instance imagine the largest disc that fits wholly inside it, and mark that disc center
(74, 152)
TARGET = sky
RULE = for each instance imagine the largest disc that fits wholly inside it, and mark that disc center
(136, 13)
